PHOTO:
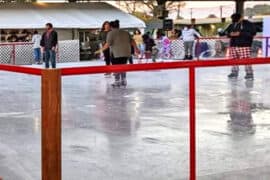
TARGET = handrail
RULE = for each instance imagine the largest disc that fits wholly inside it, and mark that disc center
(51, 102)
(138, 67)
(20, 69)
(224, 37)
(162, 65)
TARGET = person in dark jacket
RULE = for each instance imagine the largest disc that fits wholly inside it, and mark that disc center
(241, 32)
(130, 60)
(49, 42)
(106, 28)
(119, 41)
(149, 44)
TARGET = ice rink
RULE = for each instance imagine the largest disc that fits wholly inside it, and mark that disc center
(141, 132)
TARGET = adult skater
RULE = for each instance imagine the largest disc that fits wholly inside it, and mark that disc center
(119, 41)
(138, 38)
(241, 32)
(106, 28)
(49, 44)
(149, 44)
(188, 35)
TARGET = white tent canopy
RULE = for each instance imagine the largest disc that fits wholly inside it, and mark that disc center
(63, 15)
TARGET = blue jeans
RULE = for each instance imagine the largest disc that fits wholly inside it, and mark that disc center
(37, 54)
(50, 56)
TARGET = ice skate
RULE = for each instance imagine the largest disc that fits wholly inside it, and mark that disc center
(124, 83)
(249, 77)
(116, 84)
(233, 75)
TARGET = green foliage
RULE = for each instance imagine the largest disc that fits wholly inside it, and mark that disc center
(145, 9)
(258, 10)
(143, 16)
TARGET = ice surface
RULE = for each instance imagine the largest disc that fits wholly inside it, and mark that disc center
(141, 132)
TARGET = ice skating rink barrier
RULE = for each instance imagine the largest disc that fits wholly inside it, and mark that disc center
(218, 47)
(51, 102)
(212, 48)
(21, 53)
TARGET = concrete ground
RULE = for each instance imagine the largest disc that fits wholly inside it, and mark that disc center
(141, 132)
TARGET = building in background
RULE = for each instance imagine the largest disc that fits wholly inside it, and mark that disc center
(79, 21)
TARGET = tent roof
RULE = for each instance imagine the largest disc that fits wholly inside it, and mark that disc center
(63, 15)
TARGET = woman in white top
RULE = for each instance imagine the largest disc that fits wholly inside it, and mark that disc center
(138, 38)
(37, 52)
(189, 35)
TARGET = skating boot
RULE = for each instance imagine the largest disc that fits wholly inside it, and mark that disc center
(116, 84)
(249, 76)
(124, 83)
(233, 75)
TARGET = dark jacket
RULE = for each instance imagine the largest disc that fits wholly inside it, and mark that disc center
(247, 32)
(149, 43)
(49, 42)
(103, 37)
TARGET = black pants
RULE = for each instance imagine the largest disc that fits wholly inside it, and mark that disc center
(130, 60)
(107, 57)
(119, 61)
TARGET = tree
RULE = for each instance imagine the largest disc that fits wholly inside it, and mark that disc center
(148, 6)
(175, 6)
(258, 10)
(212, 16)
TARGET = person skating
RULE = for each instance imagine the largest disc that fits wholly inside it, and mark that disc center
(106, 28)
(131, 60)
(36, 46)
(149, 44)
(119, 41)
(138, 38)
(165, 51)
(188, 35)
(241, 33)
(48, 45)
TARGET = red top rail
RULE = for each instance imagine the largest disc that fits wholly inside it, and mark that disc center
(162, 65)
(139, 67)
(20, 69)
(224, 37)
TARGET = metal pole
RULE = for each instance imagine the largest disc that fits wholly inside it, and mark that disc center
(51, 124)
(192, 123)
(221, 12)
(267, 47)
(13, 54)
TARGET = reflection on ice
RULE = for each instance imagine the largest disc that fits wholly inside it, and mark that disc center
(241, 107)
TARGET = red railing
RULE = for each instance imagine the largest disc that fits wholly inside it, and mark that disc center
(51, 116)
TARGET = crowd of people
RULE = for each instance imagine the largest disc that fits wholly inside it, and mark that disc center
(118, 46)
